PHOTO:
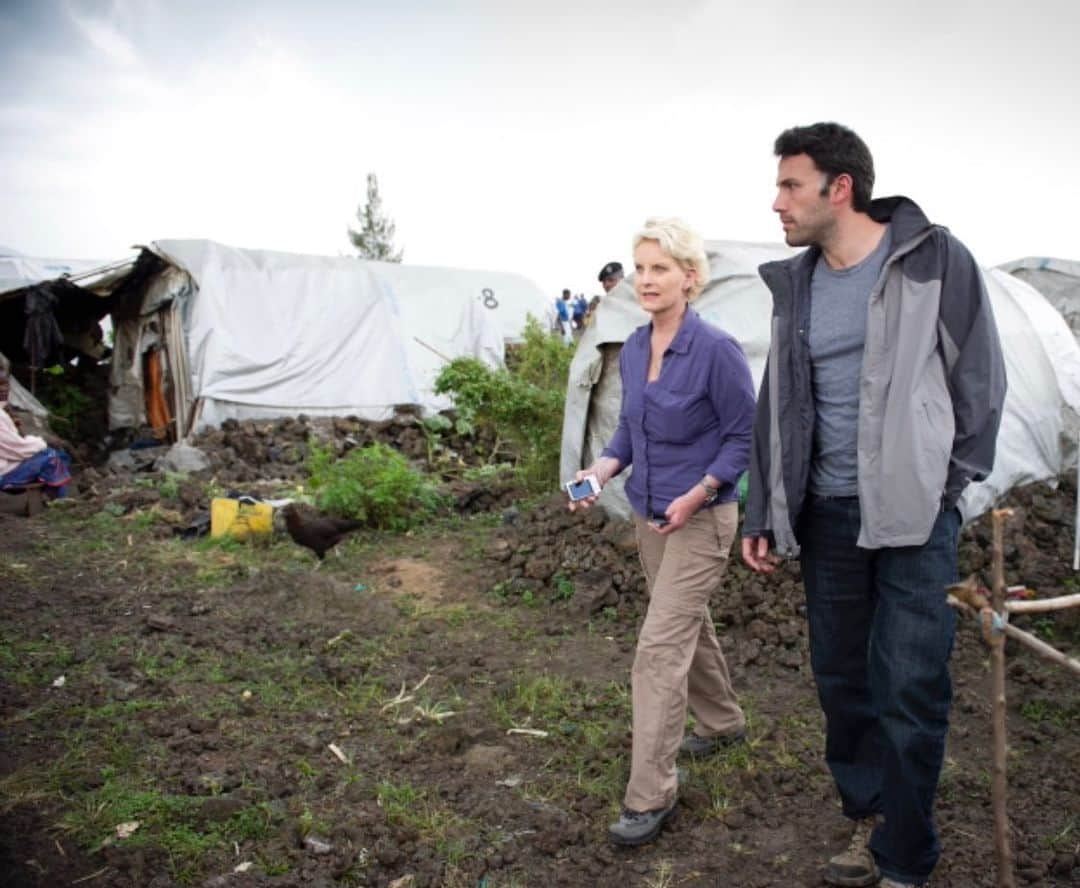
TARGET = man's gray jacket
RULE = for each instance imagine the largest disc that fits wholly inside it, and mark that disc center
(930, 396)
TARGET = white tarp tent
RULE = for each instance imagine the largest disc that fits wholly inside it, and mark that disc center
(508, 298)
(18, 271)
(261, 334)
(1042, 362)
(1057, 279)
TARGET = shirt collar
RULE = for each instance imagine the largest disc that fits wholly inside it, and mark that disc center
(687, 329)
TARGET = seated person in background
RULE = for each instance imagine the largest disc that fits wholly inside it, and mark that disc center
(27, 459)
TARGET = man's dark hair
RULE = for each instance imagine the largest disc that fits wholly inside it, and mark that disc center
(834, 149)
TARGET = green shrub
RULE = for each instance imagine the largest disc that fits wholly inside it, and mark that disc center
(68, 406)
(375, 485)
(541, 359)
(521, 405)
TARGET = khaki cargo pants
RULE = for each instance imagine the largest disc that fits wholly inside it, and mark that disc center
(678, 660)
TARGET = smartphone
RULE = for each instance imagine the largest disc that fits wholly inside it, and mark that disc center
(659, 521)
(586, 487)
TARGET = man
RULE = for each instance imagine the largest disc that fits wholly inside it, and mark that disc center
(610, 275)
(881, 401)
(580, 308)
(562, 311)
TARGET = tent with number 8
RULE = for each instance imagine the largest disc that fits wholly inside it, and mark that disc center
(206, 332)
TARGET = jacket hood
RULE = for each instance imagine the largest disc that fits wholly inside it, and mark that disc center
(908, 223)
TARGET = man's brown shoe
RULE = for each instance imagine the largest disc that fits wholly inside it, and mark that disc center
(855, 867)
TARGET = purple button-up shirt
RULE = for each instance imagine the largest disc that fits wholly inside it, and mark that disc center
(695, 419)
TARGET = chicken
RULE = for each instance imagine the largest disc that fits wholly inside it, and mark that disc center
(317, 532)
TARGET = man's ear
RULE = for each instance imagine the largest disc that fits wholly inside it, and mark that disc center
(842, 188)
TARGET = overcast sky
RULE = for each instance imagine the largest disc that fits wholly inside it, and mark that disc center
(532, 138)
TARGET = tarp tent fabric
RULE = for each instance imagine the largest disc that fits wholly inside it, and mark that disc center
(1057, 279)
(18, 271)
(1042, 362)
(262, 334)
(508, 298)
(1037, 440)
(20, 398)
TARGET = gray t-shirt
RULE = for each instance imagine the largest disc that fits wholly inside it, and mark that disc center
(838, 305)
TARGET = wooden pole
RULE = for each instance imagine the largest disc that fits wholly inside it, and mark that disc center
(996, 639)
(986, 616)
(1042, 605)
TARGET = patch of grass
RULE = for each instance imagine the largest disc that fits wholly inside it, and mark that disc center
(1043, 709)
(33, 662)
(1066, 839)
(562, 587)
(169, 486)
(398, 800)
(407, 805)
(540, 701)
(172, 823)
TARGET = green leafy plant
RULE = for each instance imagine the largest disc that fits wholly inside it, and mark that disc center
(522, 405)
(375, 485)
(67, 404)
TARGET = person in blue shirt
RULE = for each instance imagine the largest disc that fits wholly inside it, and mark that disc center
(580, 307)
(563, 311)
(684, 428)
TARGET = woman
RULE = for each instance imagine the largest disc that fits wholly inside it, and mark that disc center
(684, 426)
(27, 459)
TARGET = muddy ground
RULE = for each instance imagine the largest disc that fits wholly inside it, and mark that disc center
(447, 707)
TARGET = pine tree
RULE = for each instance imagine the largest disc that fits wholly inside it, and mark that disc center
(375, 239)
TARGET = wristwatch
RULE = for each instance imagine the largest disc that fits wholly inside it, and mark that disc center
(711, 493)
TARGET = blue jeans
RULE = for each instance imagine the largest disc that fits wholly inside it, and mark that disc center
(881, 634)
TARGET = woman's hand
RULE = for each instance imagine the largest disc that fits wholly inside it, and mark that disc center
(681, 510)
(605, 469)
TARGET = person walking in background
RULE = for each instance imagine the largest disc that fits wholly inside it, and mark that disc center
(881, 401)
(563, 311)
(685, 427)
(580, 307)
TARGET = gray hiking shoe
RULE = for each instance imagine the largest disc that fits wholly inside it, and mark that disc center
(696, 746)
(639, 827)
(855, 867)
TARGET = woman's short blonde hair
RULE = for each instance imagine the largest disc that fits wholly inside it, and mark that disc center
(682, 243)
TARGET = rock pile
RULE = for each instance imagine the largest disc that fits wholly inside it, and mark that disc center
(546, 551)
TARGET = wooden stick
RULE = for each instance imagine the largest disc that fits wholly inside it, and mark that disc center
(985, 615)
(434, 351)
(1041, 605)
(1042, 648)
(996, 640)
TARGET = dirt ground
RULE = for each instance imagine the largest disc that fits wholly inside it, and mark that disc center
(448, 707)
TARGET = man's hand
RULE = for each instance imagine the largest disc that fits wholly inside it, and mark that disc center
(756, 554)
(605, 469)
